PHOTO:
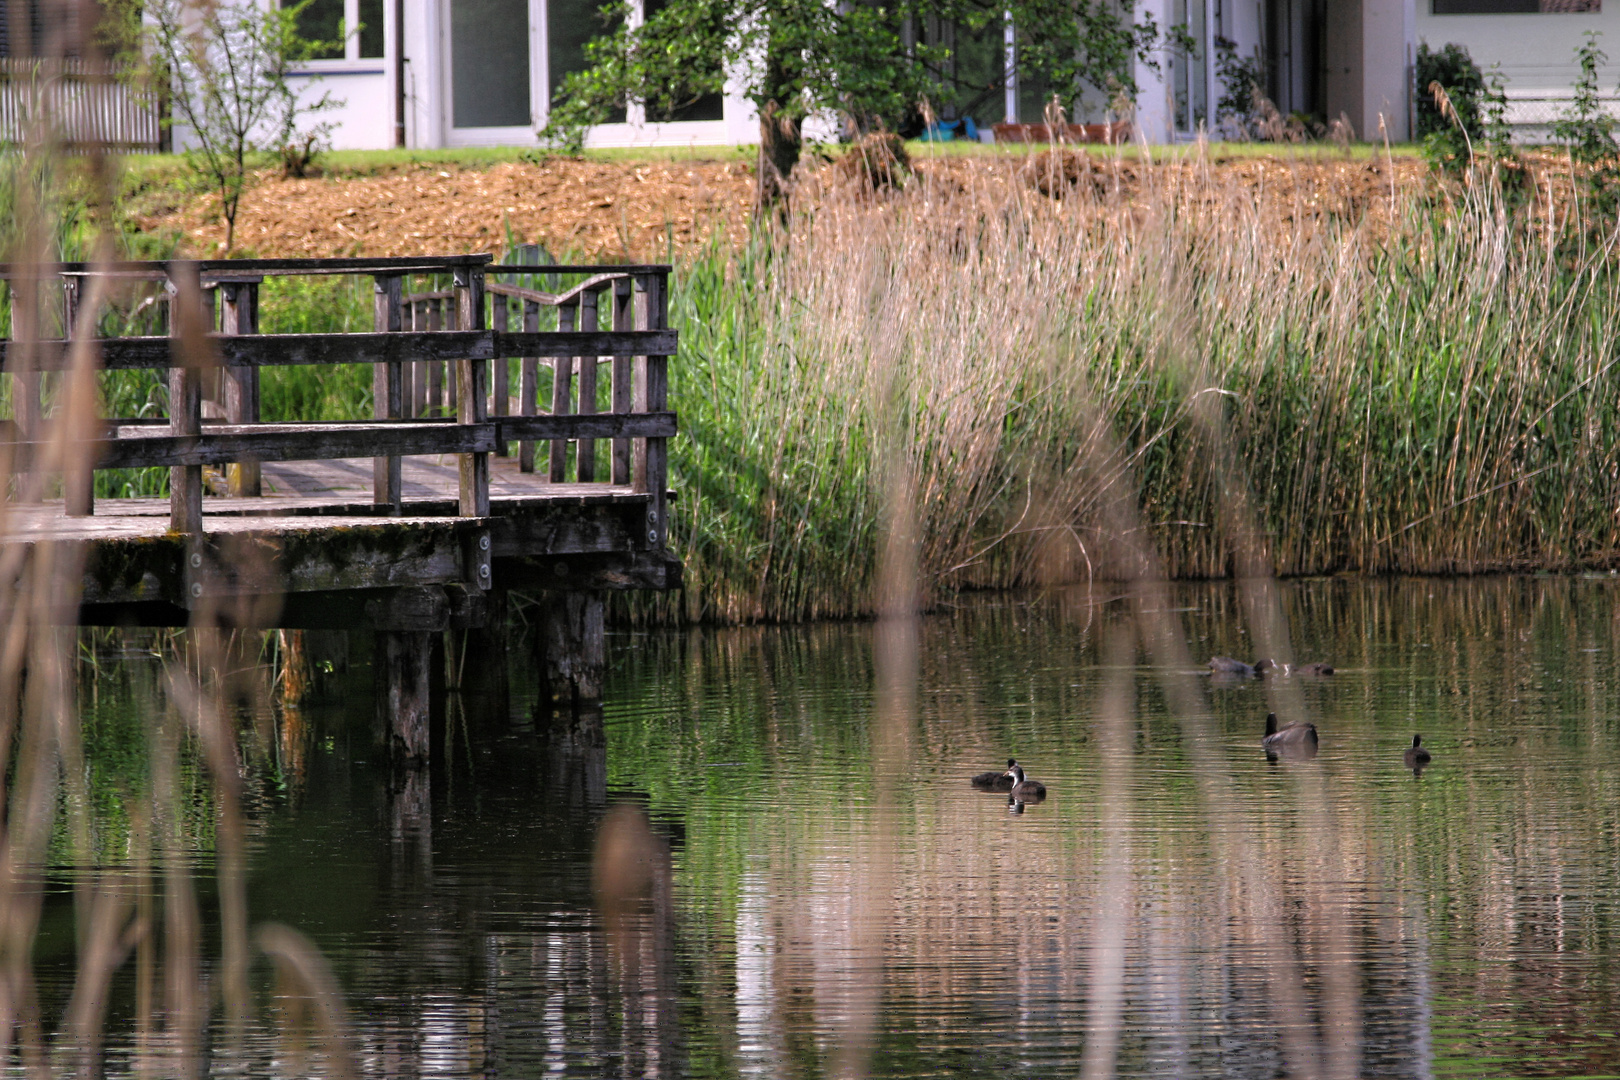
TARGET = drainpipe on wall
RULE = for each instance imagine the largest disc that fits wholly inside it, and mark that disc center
(1009, 55)
(399, 73)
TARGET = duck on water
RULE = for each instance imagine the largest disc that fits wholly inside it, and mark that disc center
(1416, 757)
(1237, 669)
(1024, 790)
(996, 780)
(1298, 737)
(1012, 781)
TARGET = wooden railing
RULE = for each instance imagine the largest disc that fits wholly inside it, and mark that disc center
(451, 353)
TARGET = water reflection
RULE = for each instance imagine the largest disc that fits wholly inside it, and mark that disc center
(1177, 905)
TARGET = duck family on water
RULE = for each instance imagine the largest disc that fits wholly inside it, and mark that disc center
(1294, 740)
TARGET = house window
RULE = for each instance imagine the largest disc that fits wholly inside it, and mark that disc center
(1518, 7)
(346, 29)
(569, 25)
(489, 63)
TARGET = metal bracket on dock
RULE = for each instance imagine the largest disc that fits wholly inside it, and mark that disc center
(476, 552)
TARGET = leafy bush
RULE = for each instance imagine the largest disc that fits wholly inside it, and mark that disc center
(1464, 83)
(1587, 127)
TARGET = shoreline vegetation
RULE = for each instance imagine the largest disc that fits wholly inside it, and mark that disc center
(1331, 362)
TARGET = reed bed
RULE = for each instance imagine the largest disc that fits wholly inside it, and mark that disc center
(1343, 375)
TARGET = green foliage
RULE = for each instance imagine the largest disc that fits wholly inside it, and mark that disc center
(1450, 93)
(315, 305)
(850, 58)
(1588, 128)
(1243, 81)
(1464, 83)
(227, 67)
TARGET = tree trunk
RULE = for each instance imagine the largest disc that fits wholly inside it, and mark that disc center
(780, 139)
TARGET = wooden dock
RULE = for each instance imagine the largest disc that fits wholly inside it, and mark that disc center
(468, 481)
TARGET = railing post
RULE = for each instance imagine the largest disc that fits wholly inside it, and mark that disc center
(500, 401)
(528, 384)
(241, 316)
(419, 368)
(435, 378)
(387, 390)
(78, 485)
(189, 330)
(470, 378)
(585, 449)
(624, 318)
(650, 466)
(562, 386)
(26, 315)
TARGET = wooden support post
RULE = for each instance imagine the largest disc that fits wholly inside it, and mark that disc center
(562, 392)
(435, 373)
(528, 385)
(484, 674)
(471, 378)
(452, 384)
(572, 648)
(585, 449)
(419, 369)
(500, 391)
(78, 485)
(387, 390)
(403, 663)
(624, 318)
(650, 465)
(188, 328)
(240, 315)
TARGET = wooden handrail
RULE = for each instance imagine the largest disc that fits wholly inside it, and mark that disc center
(435, 343)
(280, 350)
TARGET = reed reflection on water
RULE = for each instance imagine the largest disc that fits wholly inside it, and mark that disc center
(1178, 905)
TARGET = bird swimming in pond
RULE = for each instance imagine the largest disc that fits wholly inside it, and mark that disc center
(1024, 790)
(995, 780)
(1297, 734)
(1264, 667)
(1416, 757)
(1225, 665)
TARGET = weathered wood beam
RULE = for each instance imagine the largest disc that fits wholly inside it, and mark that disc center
(594, 426)
(472, 396)
(387, 390)
(655, 571)
(208, 269)
(285, 556)
(402, 663)
(241, 316)
(279, 350)
(224, 443)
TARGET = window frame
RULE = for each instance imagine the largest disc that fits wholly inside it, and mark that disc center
(351, 58)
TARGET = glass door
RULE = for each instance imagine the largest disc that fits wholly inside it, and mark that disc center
(492, 97)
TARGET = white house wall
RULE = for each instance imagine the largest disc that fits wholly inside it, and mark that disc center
(1536, 51)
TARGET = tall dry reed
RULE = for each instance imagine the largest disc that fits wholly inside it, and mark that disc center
(1398, 378)
(135, 903)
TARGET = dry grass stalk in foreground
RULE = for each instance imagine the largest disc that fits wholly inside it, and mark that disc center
(136, 899)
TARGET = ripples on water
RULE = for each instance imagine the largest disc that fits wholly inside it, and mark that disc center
(1338, 915)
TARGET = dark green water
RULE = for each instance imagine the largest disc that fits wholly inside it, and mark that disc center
(1337, 916)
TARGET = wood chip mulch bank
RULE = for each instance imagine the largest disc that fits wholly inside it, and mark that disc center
(610, 211)
(578, 209)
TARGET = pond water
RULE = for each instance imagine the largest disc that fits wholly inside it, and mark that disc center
(840, 901)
